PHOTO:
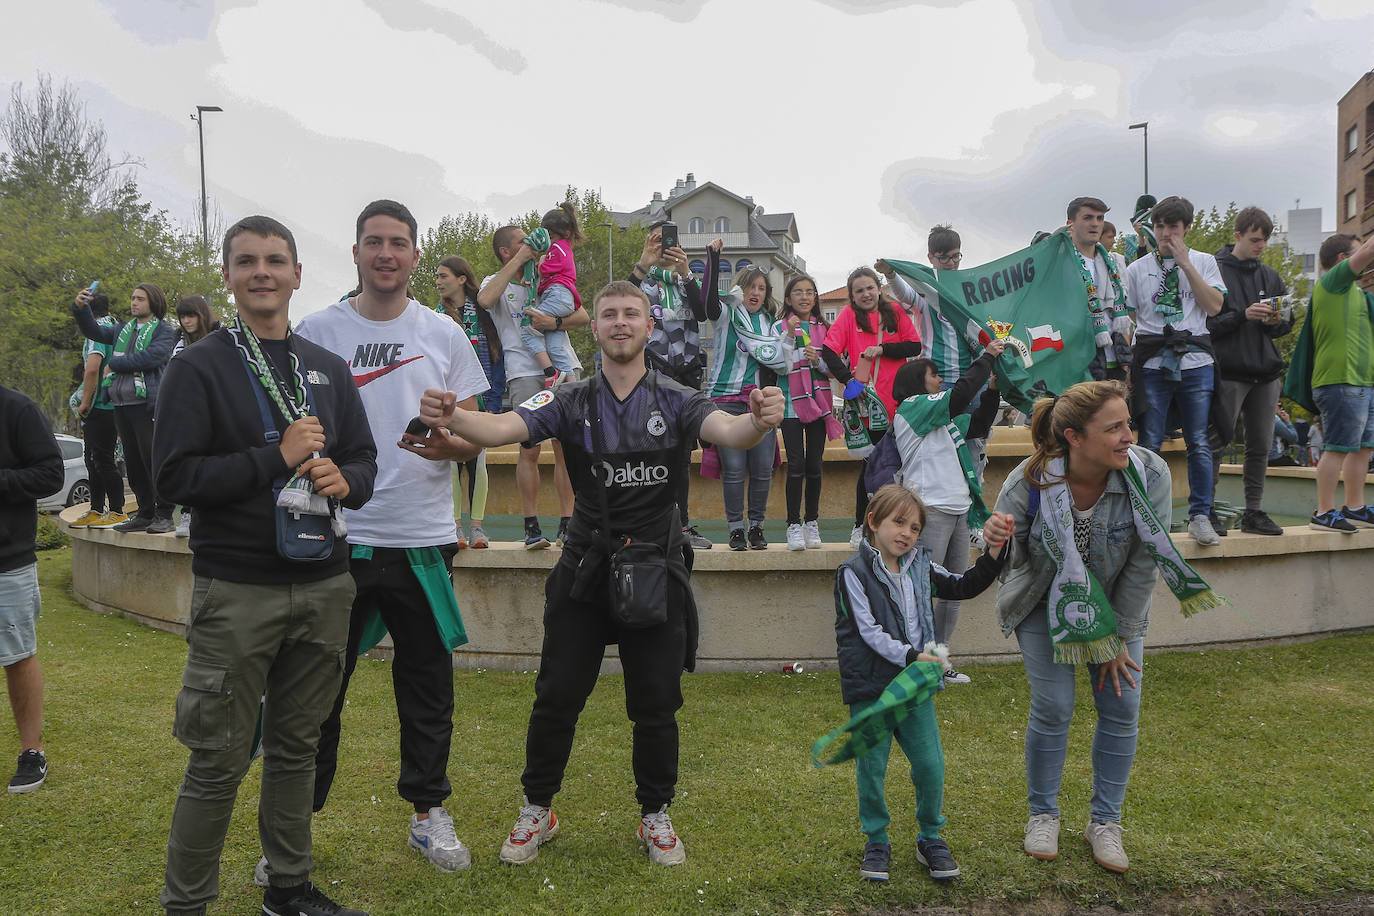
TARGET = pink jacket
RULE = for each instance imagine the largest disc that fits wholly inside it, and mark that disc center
(557, 268)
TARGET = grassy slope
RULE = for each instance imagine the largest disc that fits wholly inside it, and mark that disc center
(1253, 773)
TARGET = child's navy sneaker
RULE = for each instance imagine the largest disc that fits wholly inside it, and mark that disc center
(877, 861)
(934, 855)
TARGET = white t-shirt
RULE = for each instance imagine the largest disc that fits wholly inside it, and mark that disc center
(1143, 279)
(393, 362)
(506, 314)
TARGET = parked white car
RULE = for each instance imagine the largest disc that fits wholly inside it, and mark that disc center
(76, 488)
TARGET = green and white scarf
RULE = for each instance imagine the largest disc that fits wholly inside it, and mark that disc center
(914, 685)
(669, 295)
(1144, 222)
(1102, 315)
(538, 240)
(138, 337)
(1166, 298)
(1081, 621)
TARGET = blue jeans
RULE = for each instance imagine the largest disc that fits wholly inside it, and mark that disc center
(556, 302)
(1051, 709)
(740, 466)
(1192, 394)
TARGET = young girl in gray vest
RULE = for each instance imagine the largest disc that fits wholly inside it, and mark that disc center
(884, 623)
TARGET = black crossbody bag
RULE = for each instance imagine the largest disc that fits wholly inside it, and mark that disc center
(638, 569)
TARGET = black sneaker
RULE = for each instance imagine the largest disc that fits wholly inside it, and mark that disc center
(1255, 521)
(737, 539)
(33, 769)
(534, 538)
(756, 538)
(934, 855)
(162, 526)
(1360, 516)
(1331, 520)
(877, 861)
(308, 900)
(1217, 525)
(562, 532)
(695, 538)
(137, 523)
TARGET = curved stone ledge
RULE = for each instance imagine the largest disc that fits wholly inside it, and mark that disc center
(761, 609)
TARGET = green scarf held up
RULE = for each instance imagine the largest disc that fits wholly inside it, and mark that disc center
(666, 281)
(139, 336)
(1081, 620)
(914, 685)
(1166, 299)
(1144, 222)
(540, 242)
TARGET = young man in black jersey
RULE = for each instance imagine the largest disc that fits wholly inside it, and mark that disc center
(265, 633)
(645, 422)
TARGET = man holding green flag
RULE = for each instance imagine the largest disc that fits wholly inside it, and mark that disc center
(1021, 299)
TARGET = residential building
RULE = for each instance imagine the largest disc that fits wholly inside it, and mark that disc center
(705, 212)
(1302, 235)
(1355, 159)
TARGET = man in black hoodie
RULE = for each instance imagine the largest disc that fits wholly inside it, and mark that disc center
(1243, 334)
(254, 406)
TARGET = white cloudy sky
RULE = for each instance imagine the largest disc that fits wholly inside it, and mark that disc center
(870, 120)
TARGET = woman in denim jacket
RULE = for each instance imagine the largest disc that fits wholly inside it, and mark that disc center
(1088, 427)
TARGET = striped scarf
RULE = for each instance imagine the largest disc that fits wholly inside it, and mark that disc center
(1166, 298)
(137, 337)
(744, 341)
(1103, 313)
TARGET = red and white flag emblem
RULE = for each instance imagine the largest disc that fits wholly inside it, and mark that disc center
(1044, 337)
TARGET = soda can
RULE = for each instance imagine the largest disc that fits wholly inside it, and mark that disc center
(792, 668)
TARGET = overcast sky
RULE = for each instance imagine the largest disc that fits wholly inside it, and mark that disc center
(872, 121)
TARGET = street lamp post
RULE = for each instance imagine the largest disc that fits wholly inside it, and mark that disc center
(199, 118)
(1144, 126)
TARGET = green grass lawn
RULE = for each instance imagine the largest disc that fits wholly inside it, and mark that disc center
(1253, 779)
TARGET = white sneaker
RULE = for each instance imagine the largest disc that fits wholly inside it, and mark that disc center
(855, 537)
(811, 534)
(1042, 837)
(656, 833)
(1105, 839)
(260, 873)
(955, 676)
(184, 525)
(795, 539)
(435, 839)
(975, 538)
(1200, 527)
(535, 826)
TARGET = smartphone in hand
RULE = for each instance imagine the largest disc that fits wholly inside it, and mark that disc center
(417, 428)
(670, 239)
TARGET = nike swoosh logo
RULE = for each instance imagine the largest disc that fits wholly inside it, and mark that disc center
(366, 377)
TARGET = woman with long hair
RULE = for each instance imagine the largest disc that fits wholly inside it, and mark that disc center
(457, 285)
(745, 341)
(1092, 513)
(871, 339)
(194, 321)
(807, 415)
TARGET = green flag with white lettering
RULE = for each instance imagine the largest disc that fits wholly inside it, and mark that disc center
(1035, 299)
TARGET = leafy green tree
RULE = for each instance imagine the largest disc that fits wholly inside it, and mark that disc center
(69, 215)
(607, 253)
